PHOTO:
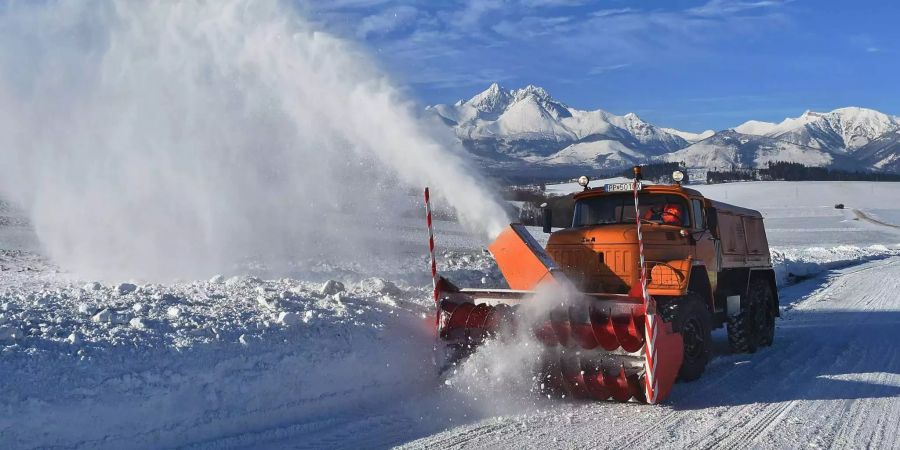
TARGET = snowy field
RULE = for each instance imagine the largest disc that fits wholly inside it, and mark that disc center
(316, 355)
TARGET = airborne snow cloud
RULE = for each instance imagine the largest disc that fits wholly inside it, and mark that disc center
(161, 139)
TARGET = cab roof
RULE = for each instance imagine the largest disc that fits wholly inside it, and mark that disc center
(672, 189)
(648, 188)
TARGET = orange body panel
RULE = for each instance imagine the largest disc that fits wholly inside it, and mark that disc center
(605, 258)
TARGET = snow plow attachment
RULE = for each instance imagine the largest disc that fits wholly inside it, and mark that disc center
(596, 345)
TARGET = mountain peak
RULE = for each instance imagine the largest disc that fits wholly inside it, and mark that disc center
(847, 112)
(857, 113)
(841, 130)
(532, 90)
(492, 100)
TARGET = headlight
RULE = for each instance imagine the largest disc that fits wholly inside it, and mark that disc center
(583, 181)
(677, 176)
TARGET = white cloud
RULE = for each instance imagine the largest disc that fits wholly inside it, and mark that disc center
(450, 40)
(600, 70)
(387, 21)
(728, 7)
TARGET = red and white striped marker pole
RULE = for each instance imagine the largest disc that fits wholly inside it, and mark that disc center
(650, 384)
(437, 314)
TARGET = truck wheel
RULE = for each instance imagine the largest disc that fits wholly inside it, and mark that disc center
(693, 321)
(767, 329)
(748, 329)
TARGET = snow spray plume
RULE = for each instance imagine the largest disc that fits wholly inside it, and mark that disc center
(160, 139)
(504, 374)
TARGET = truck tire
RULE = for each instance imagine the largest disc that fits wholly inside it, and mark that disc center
(754, 326)
(692, 319)
(767, 328)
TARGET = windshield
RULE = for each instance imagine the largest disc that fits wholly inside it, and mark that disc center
(619, 208)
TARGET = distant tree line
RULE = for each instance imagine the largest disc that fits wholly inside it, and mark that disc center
(727, 176)
(532, 197)
(790, 171)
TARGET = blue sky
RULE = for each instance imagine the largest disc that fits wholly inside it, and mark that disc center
(686, 64)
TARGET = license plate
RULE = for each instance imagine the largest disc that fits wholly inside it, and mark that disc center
(621, 187)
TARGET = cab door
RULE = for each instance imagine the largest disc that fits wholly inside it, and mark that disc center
(706, 248)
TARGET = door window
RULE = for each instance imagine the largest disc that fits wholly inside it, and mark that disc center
(697, 208)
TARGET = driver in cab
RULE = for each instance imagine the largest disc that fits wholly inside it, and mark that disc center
(669, 214)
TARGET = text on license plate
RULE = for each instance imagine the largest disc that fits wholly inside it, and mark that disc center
(621, 187)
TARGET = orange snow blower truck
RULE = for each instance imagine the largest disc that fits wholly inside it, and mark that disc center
(645, 272)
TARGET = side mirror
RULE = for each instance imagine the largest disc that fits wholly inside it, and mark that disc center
(547, 214)
(712, 221)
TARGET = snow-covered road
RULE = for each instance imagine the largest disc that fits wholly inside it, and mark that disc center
(832, 379)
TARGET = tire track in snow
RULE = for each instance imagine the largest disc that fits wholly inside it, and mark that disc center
(744, 415)
(747, 424)
(853, 425)
(856, 354)
(748, 421)
(869, 219)
(853, 417)
(715, 378)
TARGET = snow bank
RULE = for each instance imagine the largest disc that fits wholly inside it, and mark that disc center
(162, 366)
(792, 264)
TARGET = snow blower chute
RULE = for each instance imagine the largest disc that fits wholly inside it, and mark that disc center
(645, 271)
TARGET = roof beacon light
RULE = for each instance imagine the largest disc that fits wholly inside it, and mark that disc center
(678, 176)
(583, 181)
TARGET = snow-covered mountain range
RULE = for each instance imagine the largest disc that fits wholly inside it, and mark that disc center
(528, 128)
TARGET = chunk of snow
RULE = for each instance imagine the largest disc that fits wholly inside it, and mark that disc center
(217, 279)
(266, 303)
(126, 288)
(288, 318)
(85, 309)
(173, 312)
(138, 323)
(380, 286)
(73, 339)
(138, 308)
(92, 286)
(104, 316)
(332, 287)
